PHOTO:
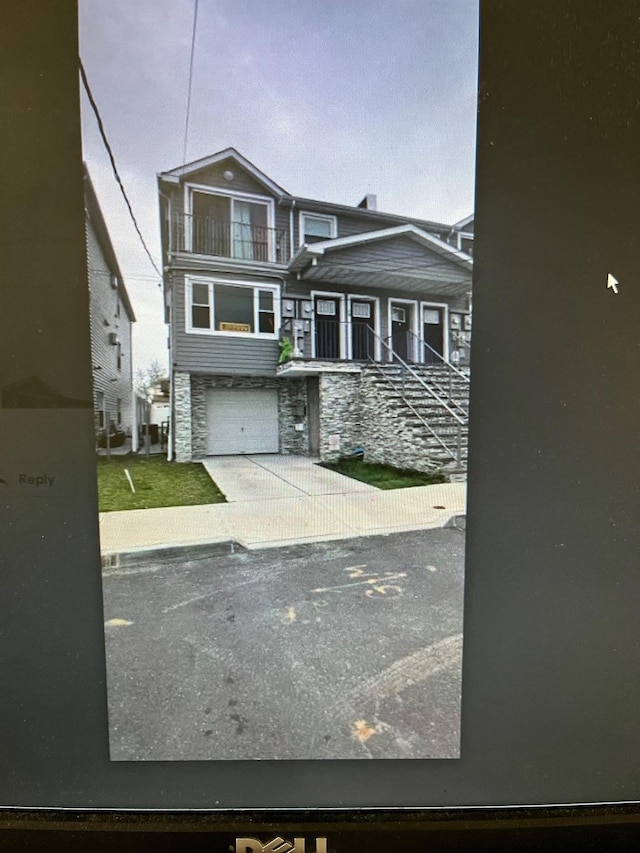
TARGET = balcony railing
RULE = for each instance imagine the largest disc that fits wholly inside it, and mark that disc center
(225, 239)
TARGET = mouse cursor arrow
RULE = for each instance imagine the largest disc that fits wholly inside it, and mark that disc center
(612, 282)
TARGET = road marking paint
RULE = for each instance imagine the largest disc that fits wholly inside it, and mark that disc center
(371, 581)
(289, 616)
(381, 589)
(117, 623)
(363, 730)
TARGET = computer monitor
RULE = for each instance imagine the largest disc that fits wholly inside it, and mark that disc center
(280, 642)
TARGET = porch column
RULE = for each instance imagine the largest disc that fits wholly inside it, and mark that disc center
(182, 416)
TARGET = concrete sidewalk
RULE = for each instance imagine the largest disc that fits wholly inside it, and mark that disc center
(284, 520)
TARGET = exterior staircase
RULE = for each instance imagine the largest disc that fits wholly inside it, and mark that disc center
(428, 403)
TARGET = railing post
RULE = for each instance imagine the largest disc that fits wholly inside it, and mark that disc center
(459, 446)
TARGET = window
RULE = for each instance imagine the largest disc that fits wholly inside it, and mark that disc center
(230, 227)
(119, 411)
(316, 226)
(361, 310)
(266, 313)
(232, 308)
(200, 306)
(326, 307)
(119, 356)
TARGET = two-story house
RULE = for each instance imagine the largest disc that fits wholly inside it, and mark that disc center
(303, 327)
(111, 318)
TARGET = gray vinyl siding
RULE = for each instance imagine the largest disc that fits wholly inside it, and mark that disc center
(115, 384)
(392, 255)
(224, 355)
(354, 224)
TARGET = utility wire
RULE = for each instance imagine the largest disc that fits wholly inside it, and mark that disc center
(103, 134)
(193, 44)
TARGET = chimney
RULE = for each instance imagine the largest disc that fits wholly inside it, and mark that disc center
(369, 202)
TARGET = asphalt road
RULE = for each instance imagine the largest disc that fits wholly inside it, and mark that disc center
(346, 649)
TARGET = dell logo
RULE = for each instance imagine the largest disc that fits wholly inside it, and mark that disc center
(278, 845)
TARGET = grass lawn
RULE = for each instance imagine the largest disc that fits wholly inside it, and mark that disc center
(383, 476)
(157, 483)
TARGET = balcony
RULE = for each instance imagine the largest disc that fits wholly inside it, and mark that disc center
(224, 239)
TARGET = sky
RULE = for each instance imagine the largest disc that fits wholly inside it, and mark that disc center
(331, 99)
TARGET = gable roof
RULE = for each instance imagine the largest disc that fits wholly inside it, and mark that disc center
(463, 223)
(219, 157)
(306, 253)
(93, 214)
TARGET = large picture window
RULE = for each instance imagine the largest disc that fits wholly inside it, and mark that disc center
(231, 308)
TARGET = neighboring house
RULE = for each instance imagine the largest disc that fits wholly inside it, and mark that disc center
(160, 402)
(111, 317)
(304, 327)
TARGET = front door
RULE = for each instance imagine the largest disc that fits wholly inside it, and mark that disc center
(362, 326)
(433, 334)
(327, 314)
(401, 330)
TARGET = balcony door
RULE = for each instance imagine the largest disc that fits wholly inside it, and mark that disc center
(230, 227)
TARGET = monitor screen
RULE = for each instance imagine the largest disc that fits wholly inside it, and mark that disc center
(312, 499)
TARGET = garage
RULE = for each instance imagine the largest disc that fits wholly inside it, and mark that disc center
(242, 420)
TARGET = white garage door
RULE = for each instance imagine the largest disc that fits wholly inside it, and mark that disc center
(242, 421)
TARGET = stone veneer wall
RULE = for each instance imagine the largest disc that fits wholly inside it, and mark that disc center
(292, 399)
(388, 438)
(352, 407)
(340, 414)
(182, 420)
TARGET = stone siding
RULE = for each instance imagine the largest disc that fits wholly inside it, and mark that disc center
(340, 415)
(392, 436)
(182, 408)
(292, 410)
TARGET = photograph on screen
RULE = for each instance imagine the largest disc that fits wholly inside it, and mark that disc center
(279, 223)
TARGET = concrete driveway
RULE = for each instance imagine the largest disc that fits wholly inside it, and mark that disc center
(269, 477)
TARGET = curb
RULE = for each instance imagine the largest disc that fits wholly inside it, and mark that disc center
(459, 522)
(167, 553)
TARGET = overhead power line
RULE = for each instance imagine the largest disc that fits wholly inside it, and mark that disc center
(103, 134)
(193, 45)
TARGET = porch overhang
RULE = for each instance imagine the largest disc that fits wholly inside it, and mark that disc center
(360, 261)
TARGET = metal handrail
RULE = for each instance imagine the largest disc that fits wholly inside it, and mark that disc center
(435, 352)
(454, 455)
(417, 376)
(461, 422)
(451, 369)
(228, 238)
